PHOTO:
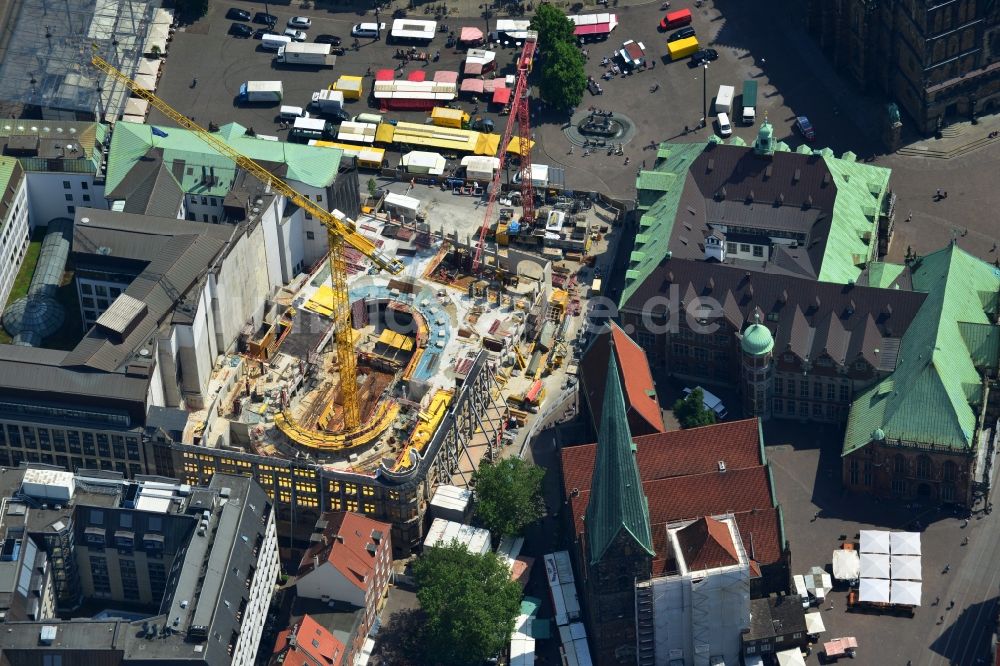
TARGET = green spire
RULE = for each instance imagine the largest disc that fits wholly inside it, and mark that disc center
(617, 502)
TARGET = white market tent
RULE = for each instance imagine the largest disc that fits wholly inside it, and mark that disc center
(874, 541)
(875, 590)
(874, 565)
(905, 567)
(419, 161)
(791, 658)
(818, 582)
(904, 543)
(905, 592)
(846, 564)
(814, 623)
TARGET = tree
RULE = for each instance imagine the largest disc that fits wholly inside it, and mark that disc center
(508, 495)
(563, 78)
(552, 26)
(372, 186)
(692, 412)
(470, 601)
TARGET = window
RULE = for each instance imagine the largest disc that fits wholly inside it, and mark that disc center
(204, 201)
(791, 408)
(899, 486)
(868, 473)
(948, 492)
(791, 388)
(949, 471)
(730, 247)
(319, 198)
(817, 409)
(84, 185)
(778, 385)
(831, 392)
(69, 197)
(843, 393)
(898, 465)
(744, 247)
(758, 251)
(66, 185)
(779, 406)
(212, 201)
(86, 288)
(215, 219)
(854, 471)
(804, 389)
(924, 467)
(204, 217)
(818, 390)
(310, 235)
(71, 209)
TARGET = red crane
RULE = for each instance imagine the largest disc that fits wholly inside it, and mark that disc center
(520, 115)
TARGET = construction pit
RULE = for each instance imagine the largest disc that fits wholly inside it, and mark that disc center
(415, 336)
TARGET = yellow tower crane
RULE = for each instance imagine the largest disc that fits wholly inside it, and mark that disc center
(340, 229)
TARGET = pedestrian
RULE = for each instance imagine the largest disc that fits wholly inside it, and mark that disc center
(763, 61)
(937, 600)
(570, 150)
(194, 82)
(909, 217)
(945, 195)
(644, 164)
(941, 620)
(686, 129)
(938, 193)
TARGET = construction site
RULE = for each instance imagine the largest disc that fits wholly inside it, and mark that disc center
(433, 330)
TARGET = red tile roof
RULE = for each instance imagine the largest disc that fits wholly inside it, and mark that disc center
(348, 536)
(636, 378)
(707, 544)
(681, 480)
(308, 644)
(676, 453)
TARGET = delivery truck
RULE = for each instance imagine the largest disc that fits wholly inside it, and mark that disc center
(682, 48)
(260, 92)
(308, 55)
(724, 99)
(749, 102)
(328, 101)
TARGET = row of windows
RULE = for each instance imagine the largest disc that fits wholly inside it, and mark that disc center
(745, 248)
(71, 441)
(13, 458)
(831, 392)
(805, 409)
(700, 353)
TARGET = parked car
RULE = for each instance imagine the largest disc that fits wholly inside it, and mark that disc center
(336, 116)
(260, 32)
(683, 33)
(241, 30)
(701, 57)
(296, 35)
(805, 128)
(328, 39)
(303, 22)
(725, 127)
(266, 19)
(238, 14)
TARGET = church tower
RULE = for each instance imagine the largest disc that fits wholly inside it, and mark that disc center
(619, 549)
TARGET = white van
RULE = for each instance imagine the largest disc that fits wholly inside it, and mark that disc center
(711, 401)
(292, 113)
(372, 118)
(725, 127)
(368, 30)
(274, 42)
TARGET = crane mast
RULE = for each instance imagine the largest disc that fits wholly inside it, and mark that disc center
(341, 232)
(519, 115)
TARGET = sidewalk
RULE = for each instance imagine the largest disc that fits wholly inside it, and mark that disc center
(956, 139)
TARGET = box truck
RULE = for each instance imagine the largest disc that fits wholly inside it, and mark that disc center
(724, 99)
(749, 102)
(310, 55)
(682, 48)
(260, 92)
(328, 101)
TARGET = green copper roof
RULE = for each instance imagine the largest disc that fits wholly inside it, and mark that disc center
(860, 191)
(882, 274)
(312, 165)
(659, 194)
(757, 340)
(617, 502)
(930, 397)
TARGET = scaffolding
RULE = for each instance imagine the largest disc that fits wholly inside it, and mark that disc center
(45, 48)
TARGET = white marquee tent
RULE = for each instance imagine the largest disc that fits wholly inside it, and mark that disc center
(905, 567)
(905, 592)
(791, 658)
(904, 543)
(874, 590)
(814, 623)
(874, 565)
(874, 541)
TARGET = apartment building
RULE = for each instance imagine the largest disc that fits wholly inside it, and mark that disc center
(14, 227)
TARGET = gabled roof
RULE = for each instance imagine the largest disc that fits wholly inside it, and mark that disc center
(192, 161)
(307, 644)
(930, 397)
(707, 544)
(680, 476)
(350, 547)
(617, 503)
(642, 406)
(150, 188)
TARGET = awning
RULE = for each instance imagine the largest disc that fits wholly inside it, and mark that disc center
(875, 590)
(593, 29)
(149, 66)
(874, 541)
(814, 623)
(469, 34)
(905, 567)
(791, 658)
(136, 106)
(839, 646)
(385, 75)
(846, 564)
(874, 565)
(473, 68)
(501, 95)
(905, 592)
(145, 81)
(515, 145)
(384, 133)
(446, 76)
(904, 543)
(472, 85)
(417, 75)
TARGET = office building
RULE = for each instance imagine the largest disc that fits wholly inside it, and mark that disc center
(181, 575)
(14, 228)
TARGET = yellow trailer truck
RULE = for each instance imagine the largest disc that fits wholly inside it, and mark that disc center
(682, 48)
(445, 117)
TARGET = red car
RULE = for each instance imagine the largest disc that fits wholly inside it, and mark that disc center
(805, 128)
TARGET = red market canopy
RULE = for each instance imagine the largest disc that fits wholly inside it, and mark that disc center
(385, 75)
(472, 85)
(470, 35)
(417, 75)
(501, 95)
(446, 76)
(473, 68)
